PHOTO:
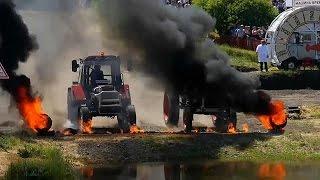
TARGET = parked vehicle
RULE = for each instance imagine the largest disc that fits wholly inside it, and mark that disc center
(294, 38)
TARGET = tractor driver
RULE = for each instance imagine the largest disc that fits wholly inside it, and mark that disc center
(95, 75)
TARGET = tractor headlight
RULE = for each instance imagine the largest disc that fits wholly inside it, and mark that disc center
(97, 90)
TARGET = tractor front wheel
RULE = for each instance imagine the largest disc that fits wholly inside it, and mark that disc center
(131, 114)
(73, 110)
(123, 123)
(85, 114)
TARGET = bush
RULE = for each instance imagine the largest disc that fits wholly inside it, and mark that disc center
(231, 12)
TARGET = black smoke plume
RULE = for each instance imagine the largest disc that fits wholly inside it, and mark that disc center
(174, 48)
(16, 44)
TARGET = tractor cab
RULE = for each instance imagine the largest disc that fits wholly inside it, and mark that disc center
(108, 66)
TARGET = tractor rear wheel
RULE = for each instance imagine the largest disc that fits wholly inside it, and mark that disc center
(187, 119)
(171, 108)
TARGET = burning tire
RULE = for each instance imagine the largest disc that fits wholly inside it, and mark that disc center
(223, 120)
(171, 109)
(46, 129)
(187, 119)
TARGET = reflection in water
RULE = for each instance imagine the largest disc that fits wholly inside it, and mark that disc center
(272, 171)
(204, 170)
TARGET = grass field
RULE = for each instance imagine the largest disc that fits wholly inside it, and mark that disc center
(241, 59)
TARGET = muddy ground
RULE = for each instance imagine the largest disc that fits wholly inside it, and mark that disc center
(160, 144)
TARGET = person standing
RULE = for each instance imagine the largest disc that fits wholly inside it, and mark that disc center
(263, 55)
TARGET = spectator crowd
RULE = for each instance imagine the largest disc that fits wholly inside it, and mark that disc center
(179, 3)
(248, 32)
(247, 37)
(280, 5)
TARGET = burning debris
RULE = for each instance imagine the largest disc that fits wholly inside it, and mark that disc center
(134, 129)
(245, 128)
(86, 127)
(15, 46)
(231, 128)
(277, 117)
(31, 111)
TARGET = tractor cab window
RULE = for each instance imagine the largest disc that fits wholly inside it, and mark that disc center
(100, 75)
(306, 38)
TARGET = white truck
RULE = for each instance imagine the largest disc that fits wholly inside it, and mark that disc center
(294, 38)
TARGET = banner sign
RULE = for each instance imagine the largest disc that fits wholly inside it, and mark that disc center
(298, 3)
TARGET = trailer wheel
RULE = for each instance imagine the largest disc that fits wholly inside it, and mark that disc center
(123, 123)
(187, 119)
(289, 64)
(223, 119)
(171, 109)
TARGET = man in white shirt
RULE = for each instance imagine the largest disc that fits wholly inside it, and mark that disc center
(263, 55)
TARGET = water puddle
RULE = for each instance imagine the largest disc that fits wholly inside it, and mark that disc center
(206, 170)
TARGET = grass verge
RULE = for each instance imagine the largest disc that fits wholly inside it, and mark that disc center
(310, 112)
(35, 160)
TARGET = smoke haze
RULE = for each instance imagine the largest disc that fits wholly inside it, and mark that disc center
(16, 44)
(169, 44)
(174, 50)
(62, 36)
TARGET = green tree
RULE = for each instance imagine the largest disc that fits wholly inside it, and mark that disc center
(231, 12)
(253, 12)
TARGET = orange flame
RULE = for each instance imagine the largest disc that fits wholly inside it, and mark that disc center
(277, 118)
(245, 128)
(69, 132)
(231, 128)
(134, 129)
(86, 126)
(272, 171)
(31, 111)
(209, 130)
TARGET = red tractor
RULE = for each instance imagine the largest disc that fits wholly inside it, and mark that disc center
(100, 91)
